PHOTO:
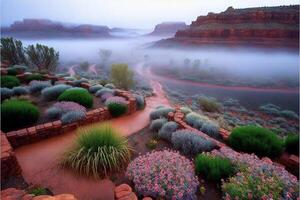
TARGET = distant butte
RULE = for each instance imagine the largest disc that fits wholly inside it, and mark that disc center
(265, 26)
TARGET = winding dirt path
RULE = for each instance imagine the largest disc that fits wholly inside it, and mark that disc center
(39, 161)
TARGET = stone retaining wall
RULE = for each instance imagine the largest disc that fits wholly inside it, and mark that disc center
(9, 163)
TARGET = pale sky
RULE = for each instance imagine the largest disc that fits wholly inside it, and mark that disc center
(122, 13)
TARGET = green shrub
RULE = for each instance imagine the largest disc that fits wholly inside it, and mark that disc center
(213, 167)
(17, 114)
(292, 143)
(254, 139)
(210, 104)
(9, 81)
(12, 72)
(97, 152)
(31, 77)
(81, 96)
(117, 109)
(37, 191)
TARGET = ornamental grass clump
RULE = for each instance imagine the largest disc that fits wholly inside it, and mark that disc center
(190, 143)
(20, 90)
(6, 93)
(214, 168)
(140, 101)
(72, 116)
(254, 139)
(93, 89)
(209, 104)
(9, 81)
(78, 95)
(37, 86)
(97, 152)
(18, 114)
(163, 174)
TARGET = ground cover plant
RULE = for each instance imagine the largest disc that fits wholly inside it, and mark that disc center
(17, 114)
(258, 140)
(97, 152)
(9, 81)
(163, 174)
(78, 95)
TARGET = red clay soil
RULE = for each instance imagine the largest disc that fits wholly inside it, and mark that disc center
(39, 161)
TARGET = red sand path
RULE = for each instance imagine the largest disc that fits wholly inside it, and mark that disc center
(39, 160)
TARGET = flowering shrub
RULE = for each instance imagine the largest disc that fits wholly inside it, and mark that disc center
(51, 93)
(105, 96)
(254, 139)
(116, 99)
(140, 101)
(37, 86)
(72, 116)
(253, 184)
(167, 130)
(161, 112)
(103, 91)
(163, 174)
(19, 90)
(290, 182)
(190, 143)
(157, 124)
(66, 106)
(6, 93)
(93, 89)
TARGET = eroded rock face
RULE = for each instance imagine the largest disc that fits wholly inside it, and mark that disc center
(168, 28)
(274, 26)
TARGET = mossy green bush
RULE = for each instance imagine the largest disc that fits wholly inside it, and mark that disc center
(213, 167)
(255, 139)
(31, 77)
(78, 95)
(97, 152)
(117, 109)
(292, 143)
(18, 114)
(9, 81)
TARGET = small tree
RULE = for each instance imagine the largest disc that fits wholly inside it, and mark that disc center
(121, 76)
(42, 58)
(13, 51)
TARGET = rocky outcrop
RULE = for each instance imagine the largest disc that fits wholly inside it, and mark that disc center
(168, 28)
(267, 26)
(48, 28)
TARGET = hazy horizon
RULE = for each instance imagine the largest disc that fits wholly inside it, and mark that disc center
(121, 13)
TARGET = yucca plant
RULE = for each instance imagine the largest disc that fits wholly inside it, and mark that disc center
(97, 152)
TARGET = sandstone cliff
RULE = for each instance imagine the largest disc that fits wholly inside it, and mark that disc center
(168, 28)
(267, 26)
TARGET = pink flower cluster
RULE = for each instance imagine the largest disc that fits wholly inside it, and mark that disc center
(116, 99)
(165, 174)
(290, 182)
(66, 106)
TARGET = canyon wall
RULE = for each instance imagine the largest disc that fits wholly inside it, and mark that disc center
(267, 26)
(168, 28)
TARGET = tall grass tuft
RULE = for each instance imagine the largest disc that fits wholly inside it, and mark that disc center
(98, 152)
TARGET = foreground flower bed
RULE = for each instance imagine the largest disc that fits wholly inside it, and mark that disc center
(164, 174)
(268, 180)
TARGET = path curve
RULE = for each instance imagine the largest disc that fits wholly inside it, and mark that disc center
(39, 161)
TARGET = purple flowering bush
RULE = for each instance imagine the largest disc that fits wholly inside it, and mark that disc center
(115, 99)
(67, 106)
(262, 171)
(106, 96)
(163, 174)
